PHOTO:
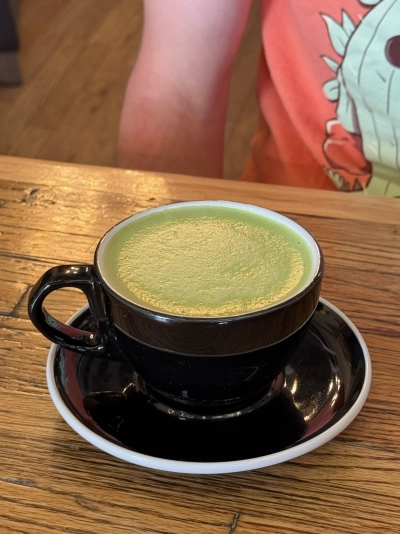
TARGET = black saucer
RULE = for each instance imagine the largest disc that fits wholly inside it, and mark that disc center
(325, 386)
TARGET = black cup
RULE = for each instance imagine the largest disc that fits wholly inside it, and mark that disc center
(200, 367)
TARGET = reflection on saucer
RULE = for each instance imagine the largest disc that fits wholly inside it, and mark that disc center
(138, 425)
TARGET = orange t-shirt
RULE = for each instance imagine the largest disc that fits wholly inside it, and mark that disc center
(328, 86)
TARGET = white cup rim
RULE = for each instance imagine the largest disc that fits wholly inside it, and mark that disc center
(265, 212)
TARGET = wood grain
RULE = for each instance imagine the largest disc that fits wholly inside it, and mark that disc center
(51, 480)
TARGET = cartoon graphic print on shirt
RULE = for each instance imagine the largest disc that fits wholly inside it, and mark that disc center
(362, 146)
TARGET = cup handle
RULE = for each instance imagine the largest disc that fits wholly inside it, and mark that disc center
(82, 277)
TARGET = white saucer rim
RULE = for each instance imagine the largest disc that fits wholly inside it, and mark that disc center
(176, 466)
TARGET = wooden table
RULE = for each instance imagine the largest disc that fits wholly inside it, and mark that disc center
(51, 480)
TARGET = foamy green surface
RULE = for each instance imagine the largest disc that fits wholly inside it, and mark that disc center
(206, 261)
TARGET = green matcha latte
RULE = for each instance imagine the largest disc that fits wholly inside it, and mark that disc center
(206, 260)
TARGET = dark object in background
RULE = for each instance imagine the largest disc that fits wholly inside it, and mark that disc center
(9, 44)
